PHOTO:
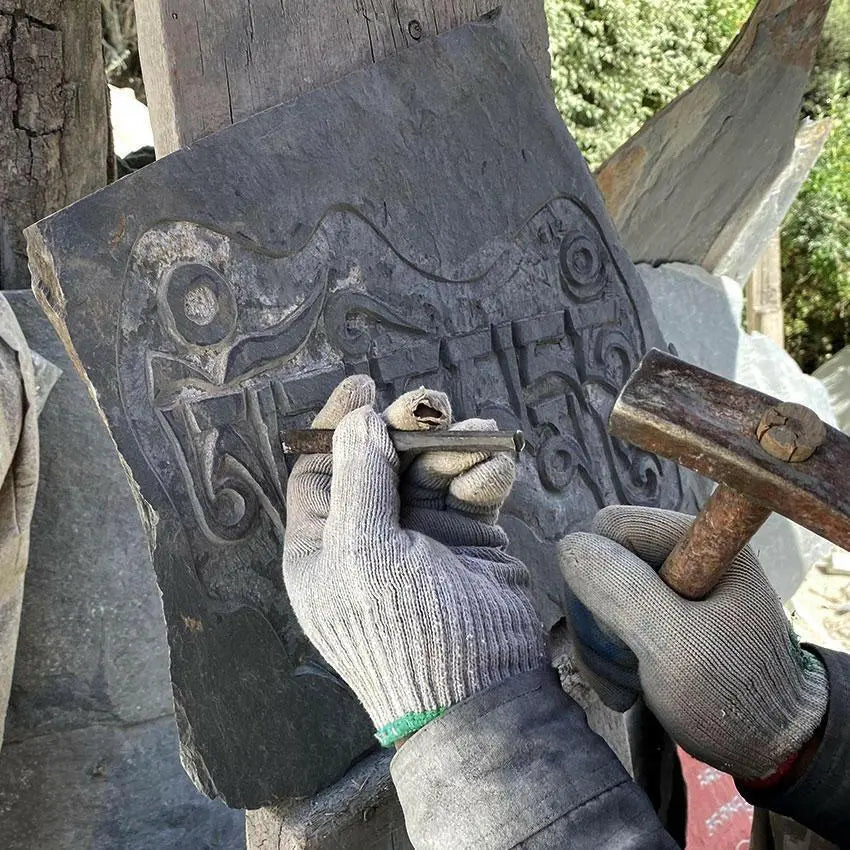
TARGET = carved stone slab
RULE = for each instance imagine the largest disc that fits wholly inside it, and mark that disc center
(421, 221)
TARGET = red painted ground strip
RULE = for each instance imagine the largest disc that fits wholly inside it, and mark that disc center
(718, 816)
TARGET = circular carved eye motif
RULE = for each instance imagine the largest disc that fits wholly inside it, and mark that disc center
(583, 270)
(230, 507)
(199, 304)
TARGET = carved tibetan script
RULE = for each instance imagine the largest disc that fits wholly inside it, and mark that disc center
(420, 222)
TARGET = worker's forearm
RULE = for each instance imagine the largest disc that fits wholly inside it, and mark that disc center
(517, 765)
(817, 793)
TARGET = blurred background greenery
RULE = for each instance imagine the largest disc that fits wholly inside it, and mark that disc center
(616, 62)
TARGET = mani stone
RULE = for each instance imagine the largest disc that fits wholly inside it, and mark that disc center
(91, 757)
(700, 316)
(691, 180)
(419, 220)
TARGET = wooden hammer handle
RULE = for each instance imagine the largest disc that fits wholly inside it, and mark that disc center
(723, 527)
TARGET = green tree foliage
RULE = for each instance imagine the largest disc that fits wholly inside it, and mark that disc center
(816, 233)
(616, 62)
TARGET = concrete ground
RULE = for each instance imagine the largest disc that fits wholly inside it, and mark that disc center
(820, 609)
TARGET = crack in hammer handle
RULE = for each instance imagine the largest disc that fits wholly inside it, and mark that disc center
(721, 530)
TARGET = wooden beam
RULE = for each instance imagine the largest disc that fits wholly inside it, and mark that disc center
(53, 117)
(210, 63)
(764, 294)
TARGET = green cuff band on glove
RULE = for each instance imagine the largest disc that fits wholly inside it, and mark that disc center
(406, 725)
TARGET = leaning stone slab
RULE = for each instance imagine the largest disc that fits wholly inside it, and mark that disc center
(689, 181)
(418, 220)
(91, 758)
(835, 376)
(742, 253)
(700, 315)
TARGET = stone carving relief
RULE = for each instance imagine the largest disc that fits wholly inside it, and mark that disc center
(419, 221)
(246, 344)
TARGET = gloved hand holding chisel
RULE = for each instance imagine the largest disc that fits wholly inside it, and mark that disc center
(402, 581)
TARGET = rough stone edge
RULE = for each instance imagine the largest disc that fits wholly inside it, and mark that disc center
(741, 257)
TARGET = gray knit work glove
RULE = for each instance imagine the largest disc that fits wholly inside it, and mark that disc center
(725, 676)
(414, 619)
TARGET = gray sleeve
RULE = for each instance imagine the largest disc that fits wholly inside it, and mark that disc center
(820, 799)
(518, 766)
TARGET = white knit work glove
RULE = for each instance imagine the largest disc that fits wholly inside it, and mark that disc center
(416, 618)
(725, 676)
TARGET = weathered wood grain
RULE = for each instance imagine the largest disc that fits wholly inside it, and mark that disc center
(209, 63)
(764, 294)
(53, 117)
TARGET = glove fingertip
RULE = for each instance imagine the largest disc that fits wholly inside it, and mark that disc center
(488, 483)
(573, 551)
(611, 581)
(650, 533)
(353, 392)
(420, 410)
(475, 425)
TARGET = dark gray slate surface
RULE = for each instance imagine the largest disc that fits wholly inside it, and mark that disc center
(108, 787)
(91, 758)
(422, 220)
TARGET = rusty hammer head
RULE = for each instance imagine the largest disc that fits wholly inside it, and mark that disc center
(778, 455)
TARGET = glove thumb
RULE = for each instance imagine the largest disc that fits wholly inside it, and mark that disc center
(364, 503)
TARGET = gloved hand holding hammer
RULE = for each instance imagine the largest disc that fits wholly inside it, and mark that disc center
(399, 575)
(724, 675)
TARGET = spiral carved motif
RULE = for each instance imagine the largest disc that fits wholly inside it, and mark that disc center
(584, 265)
(198, 304)
(557, 462)
(234, 509)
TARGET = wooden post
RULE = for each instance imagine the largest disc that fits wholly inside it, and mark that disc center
(209, 63)
(53, 117)
(764, 294)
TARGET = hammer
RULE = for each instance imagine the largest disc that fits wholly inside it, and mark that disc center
(766, 456)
